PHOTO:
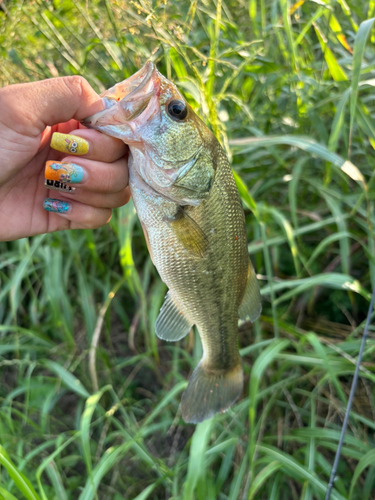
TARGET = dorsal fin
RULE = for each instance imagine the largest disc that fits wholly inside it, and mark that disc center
(189, 233)
(171, 323)
(251, 306)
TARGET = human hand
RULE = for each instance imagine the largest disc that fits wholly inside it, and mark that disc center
(29, 114)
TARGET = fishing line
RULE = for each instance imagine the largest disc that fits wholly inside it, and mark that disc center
(350, 401)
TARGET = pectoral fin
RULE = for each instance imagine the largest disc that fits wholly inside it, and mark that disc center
(251, 306)
(189, 233)
(171, 323)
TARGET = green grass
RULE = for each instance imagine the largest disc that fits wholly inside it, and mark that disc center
(89, 398)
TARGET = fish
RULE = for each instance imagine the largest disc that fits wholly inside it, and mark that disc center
(193, 221)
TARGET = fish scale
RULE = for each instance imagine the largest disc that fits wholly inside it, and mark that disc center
(191, 214)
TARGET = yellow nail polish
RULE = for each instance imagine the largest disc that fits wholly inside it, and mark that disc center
(67, 143)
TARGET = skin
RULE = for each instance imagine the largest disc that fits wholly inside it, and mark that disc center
(29, 114)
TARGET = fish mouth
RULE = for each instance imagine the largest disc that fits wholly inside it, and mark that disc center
(126, 100)
(132, 85)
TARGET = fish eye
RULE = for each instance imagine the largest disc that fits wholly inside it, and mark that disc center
(177, 110)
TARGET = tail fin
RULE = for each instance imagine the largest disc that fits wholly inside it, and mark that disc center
(210, 392)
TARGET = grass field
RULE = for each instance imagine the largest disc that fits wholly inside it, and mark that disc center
(89, 397)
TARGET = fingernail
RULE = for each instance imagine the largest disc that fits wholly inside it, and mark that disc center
(57, 206)
(63, 187)
(64, 172)
(67, 143)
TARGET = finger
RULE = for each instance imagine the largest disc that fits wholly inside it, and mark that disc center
(67, 214)
(91, 175)
(90, 144)
(98, 200)
(48, 102)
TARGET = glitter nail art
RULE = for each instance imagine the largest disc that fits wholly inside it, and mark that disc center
(57, 206)
(63, 172)
(67, 143)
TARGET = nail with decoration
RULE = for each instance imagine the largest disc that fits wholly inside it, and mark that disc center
(63, 187)
(64, 172)
(57, 206)
(67, 143)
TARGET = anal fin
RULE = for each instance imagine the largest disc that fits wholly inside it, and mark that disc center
(189, 233)
(171, 323)
(251, 307)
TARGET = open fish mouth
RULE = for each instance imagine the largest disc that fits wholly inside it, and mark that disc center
(132, 85)
(132, 97)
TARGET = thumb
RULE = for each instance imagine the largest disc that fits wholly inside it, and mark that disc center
(31, 107)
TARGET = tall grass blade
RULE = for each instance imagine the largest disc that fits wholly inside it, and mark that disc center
(67, 378)
(107, 461)
(304, 143)
(57, 481)
(147, 492)
(294, 468)
(163, 403)
(196, 464)
(338, 121)
(336, 71)
(5, 495)
(366, 461)
(330, 280)
(87, 414)
(261, 478)
(21, 482)
(359, 48)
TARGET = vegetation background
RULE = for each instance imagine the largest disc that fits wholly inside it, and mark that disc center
(89, 398)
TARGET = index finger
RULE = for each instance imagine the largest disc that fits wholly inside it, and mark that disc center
(48, 102)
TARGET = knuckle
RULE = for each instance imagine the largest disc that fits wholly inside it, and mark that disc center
(116, 201)
(76, 84)
(127, 195)
(94, 220)
(123, 198)
(65, 225)
(110, 181)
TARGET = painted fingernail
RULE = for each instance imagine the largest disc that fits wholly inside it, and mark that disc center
(67, 143)
(64, 172)
(57, 206)
(63, 187)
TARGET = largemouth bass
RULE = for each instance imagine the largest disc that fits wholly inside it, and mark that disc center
(193, 221)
